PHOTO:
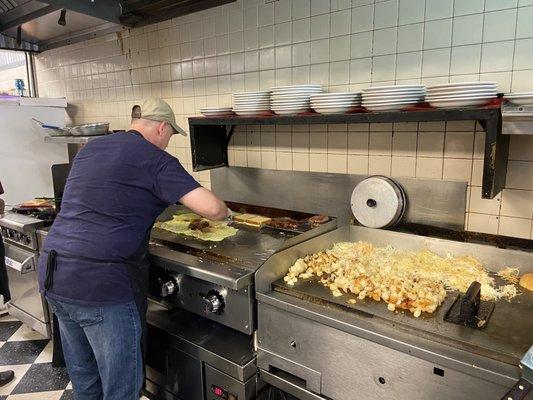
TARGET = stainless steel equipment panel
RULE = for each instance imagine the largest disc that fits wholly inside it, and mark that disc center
(219, 386)
(342, 366)
(430, 202)
(233, 308)
(27, 303)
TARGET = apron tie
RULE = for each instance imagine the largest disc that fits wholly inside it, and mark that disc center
(51, 266)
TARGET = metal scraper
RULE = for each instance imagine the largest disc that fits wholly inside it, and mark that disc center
(525, 384)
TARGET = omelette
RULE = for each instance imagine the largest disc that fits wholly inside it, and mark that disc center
(190, 224)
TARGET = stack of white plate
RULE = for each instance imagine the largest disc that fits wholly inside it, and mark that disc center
(520, 98)
(461, 94)
(292, 99)
(216, 111)
(335, 103)
(251, 103)
(392, 98)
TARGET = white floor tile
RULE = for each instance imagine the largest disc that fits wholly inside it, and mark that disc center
(53, 395)
(69, 386)
(1, 344)
(46, 354)
(25, 333)
(19, 370)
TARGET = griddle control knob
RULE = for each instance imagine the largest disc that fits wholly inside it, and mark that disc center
(168, 288)
(214, 302)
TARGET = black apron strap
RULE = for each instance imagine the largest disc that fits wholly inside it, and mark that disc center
(51, 266)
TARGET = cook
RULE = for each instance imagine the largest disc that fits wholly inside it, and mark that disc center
(93, 270)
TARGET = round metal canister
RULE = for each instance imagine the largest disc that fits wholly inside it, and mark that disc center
(378, 202)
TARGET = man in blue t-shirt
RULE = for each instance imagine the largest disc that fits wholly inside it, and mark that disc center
(93, 268)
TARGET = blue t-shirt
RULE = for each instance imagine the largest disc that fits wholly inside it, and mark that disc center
(117, 186)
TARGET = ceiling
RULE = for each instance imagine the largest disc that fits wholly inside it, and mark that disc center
(33, 25)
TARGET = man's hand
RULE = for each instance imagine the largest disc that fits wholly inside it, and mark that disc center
(205, 203)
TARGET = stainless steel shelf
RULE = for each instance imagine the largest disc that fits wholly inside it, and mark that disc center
(210, 136)
(69, 139)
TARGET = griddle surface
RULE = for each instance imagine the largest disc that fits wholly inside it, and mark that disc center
(507, 336)
(250, 247)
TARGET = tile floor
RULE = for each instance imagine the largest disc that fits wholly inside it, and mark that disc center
(29, 355)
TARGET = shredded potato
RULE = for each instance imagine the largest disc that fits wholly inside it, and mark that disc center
(509, 274)
(414, 281)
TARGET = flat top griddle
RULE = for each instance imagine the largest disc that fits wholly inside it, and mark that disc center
(249, 248)
(506, 337)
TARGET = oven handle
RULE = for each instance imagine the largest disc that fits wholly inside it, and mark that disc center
(27, 265)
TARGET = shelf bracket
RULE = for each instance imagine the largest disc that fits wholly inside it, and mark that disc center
(209, 145)
(496, 154)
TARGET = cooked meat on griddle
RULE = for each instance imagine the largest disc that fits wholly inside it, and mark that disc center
(284, 223)
(199, 225)
(318, 220)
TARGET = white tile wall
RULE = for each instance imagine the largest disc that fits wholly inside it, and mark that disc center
(200, 59)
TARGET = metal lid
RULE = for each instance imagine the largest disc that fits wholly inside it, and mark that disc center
(378, 202)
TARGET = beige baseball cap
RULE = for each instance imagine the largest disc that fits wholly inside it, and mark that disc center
(157, 110)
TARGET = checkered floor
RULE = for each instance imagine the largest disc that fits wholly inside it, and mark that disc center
(29, 355)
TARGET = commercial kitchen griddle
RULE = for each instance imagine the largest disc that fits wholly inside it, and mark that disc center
(506, 336)
(249, 248)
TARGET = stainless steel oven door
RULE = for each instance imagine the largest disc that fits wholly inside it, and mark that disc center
(26, 304)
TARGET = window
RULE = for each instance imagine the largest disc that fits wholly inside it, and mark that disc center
(13, 65)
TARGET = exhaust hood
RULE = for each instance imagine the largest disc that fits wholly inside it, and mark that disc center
(41, 25)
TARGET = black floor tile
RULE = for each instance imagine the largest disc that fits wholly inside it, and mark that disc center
(7, 329)
(42, 378)
(5, 397)
(23, 352)
(67, 395)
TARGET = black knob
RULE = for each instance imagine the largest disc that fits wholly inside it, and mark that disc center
(214, 302)
(168, 287)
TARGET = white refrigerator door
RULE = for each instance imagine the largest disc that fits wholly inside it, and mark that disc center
(25, 160)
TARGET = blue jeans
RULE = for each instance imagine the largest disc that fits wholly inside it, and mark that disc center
(102, 348)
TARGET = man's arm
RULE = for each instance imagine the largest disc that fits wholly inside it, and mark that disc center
(206, 204)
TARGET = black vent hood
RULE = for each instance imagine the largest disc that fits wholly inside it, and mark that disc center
(41, 25)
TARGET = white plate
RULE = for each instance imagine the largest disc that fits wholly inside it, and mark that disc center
(522, 101)
(251, 109)
(519, 94)
(253, 112)
(462, 89)
(394, 88)
(218, 114)
(394, 94)
(387, 107)
(337, 95)
(461, 84)
(303, 107)
(474, 97)
(348, 107)
(259, 93)
(215, 109)
(336, 110)
(291, 87)
(288, 94)
(292, 111)
(492, 92)
(336, 104)
(252, 103)
(459, 103)
(402, 101)
(394, 98)
(289, 101)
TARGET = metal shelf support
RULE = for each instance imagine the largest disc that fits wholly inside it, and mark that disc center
(210, 137)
